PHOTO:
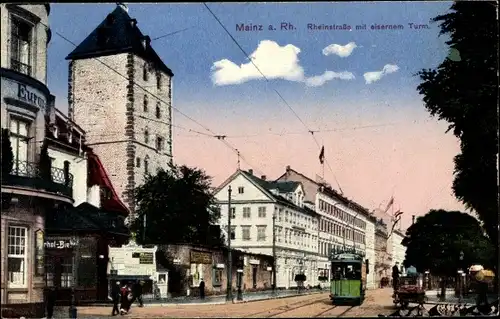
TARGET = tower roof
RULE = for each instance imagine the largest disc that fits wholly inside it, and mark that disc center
(118, 33)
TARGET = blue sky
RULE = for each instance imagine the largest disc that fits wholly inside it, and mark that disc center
(412, 159)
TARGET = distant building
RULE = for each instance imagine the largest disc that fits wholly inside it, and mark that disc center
(343, 222)
(254, 202)
(26, 197)
(120, 93)
(383, 259)
(396, 248)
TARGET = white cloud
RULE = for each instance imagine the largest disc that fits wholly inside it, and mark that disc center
(319, 80)
(340, 50)
(374, 76)
(275, 61)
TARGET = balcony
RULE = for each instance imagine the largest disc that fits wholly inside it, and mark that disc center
(20, 67)
(27, 175)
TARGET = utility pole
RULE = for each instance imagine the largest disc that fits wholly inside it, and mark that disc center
(274, 252)
(229, 292)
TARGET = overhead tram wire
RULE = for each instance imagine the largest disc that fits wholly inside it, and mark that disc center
(276, 91)
(219, 137)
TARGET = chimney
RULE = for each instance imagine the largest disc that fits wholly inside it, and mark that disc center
(263, 177)
(123, 6)
(288, 168)
(250, 171)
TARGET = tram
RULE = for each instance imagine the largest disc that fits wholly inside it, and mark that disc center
(348, 278)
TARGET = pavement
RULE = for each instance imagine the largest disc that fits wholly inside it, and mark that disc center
(376, 302)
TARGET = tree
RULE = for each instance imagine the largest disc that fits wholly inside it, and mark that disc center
(463, 90)
(7, 153)
(435, 242)
(45, 163)
(179, 207)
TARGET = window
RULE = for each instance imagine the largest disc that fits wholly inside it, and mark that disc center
(246, 212)
(159, 143)
(245, 232)
(105, 193)
(21, 45)
(19, 141)
(138, 162)
(146, 166)
(158, 81)
(262, 212)
(49, 272)
(17, 257)
(145, 103)
(261, 233)
(146, 137)
(233, 212)
(241, 190)
(67, 272)
(158, 111)
(217, 277)
(145, 74)
(233, 232)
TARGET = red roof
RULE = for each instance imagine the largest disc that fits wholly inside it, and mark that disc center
(97, 175)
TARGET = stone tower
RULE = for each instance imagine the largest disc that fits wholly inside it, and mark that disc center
(119, 92)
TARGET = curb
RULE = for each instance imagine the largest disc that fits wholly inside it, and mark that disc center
(277, 297)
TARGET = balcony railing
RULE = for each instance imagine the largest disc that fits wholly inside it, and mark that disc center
(29, 175)
(20, 67)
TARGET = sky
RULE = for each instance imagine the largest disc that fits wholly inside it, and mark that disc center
(354, 87)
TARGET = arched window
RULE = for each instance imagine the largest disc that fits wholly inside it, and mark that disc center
(145, 74)
(145, 103)
(158, 81)
(158, 111)
(146, 137)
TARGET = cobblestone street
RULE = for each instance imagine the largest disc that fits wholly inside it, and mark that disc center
(316, 305)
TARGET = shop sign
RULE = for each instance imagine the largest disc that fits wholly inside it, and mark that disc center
(27, 95)
(39, 253)
(60, 244)
(199, 257)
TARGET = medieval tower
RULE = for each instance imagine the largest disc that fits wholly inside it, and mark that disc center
(120, 93)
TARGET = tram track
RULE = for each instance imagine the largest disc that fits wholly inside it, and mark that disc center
(271, 313)
(327, 314)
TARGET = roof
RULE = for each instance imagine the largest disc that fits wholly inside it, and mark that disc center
(119, 34)
(282, 187)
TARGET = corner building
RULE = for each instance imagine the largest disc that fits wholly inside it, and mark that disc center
(26, 104)
(119, 92)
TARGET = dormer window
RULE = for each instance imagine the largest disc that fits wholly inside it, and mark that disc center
(145, 74)
(158, 111)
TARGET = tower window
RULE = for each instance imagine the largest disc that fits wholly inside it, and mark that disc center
(146, 166)
(138, 162)
(146, 137)
(158, 111)
(145, 75)
(159, 143)
(145, 104)
(158, 81)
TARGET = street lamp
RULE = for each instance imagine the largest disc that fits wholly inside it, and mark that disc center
(460, 272)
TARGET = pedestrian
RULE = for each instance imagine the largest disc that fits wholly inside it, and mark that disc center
(51, 302)
(125, 299)
(202, 289)
(395, 277)
(115, 297)
(137, 292)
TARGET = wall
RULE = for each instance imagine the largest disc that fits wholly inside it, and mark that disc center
(370, 253)
(77, 167)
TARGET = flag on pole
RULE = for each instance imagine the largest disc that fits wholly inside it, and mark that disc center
(389, 204)
(322, 155)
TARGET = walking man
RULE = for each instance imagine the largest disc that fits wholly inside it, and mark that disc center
(202, 289)
(395, 277)
(138, 292)
(115, 296)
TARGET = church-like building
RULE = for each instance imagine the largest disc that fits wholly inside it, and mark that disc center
(120, 93)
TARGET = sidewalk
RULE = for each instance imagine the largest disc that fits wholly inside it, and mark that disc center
(432, 298)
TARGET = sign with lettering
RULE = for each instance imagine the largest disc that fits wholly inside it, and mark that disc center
(144, 257)
(199, 257)
(61, 244)
(28, 95)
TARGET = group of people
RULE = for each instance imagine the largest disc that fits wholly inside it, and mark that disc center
(125, 296)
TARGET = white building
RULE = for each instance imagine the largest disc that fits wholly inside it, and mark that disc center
(396, 248)
(254, 202)
(343, 223)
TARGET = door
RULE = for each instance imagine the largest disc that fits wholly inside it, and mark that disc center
(254, 277)
(162, 283)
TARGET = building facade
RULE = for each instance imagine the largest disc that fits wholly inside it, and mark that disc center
(343, 223)
(383, 259)
(396, 248)
(27, 194)
(120, 93)
(266, 214)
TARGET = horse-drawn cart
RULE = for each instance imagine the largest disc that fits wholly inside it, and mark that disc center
(409, 290)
